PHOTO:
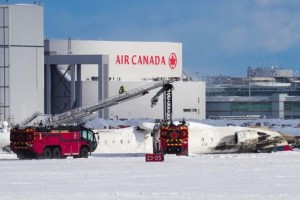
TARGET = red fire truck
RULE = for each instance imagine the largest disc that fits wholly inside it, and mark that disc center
(52, 142)
(169, 138)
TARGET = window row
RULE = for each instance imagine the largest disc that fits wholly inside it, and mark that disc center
(248, 106)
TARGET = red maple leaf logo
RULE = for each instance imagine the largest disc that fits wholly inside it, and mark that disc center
(172, 60)
(174, 135)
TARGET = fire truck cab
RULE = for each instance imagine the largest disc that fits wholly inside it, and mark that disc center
(52, 142)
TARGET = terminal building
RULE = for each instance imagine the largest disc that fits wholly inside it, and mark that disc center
(266, 92)
(53, 76)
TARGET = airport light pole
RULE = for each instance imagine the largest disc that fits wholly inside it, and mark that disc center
(249, 76)
(249, 88)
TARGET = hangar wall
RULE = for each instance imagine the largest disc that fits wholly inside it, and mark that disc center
(188, 101)
(128, 60)
(135, 64)
(22, 49)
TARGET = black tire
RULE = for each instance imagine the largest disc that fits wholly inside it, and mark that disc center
(56, 153)
(40, 156)
(24, 156)
(84, 152)
(47, 154)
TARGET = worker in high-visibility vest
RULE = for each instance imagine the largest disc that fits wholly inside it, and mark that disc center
(122, 90)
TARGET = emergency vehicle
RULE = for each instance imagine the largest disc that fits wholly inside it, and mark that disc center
(52, 142)
(169, 138)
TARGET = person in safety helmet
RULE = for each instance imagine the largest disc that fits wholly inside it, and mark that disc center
(122, 90)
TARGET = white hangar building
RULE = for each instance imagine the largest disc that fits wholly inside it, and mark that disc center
(128, 64)
(53, 76)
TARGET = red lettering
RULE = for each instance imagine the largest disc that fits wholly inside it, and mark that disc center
(145, 60)
(163, 62)
(151, 61)
(157, 60)
(118, 61)
(126, 59)
(140, 60)
(133, 60)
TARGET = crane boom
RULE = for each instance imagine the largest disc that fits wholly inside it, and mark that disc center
(78, 113)
(167, 91)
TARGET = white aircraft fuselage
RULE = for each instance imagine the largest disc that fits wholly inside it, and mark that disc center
(4, 138)
(203, 139)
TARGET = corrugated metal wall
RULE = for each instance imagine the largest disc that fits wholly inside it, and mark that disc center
(4, 64)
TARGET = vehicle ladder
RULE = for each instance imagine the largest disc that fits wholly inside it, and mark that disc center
(79, 113)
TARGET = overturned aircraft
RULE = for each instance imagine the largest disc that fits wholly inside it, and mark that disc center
(234, 139)
(203, 139)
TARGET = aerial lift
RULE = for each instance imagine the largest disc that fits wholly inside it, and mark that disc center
(169, 138)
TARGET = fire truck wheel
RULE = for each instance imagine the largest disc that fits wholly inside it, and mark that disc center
(47, 153)
(84, 152)
(56, 153)
(23, 156)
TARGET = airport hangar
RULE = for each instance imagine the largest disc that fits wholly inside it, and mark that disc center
(53, 76)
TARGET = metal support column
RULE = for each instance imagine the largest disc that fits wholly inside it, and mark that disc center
(73, 88)
(75, 63)
(100, 86)
(79, 86)
(168, 110)
(48, 87)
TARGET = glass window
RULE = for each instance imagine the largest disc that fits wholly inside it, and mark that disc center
(248, 106)
(287, 106)
(189, 110)
(90, 136)
(266, 107)
(84, 134)
(256, 106)
(296, 106)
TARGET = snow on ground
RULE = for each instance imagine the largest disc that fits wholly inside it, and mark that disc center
(127, 176)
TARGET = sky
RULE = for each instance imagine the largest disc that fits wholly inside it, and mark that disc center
(220, 37)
